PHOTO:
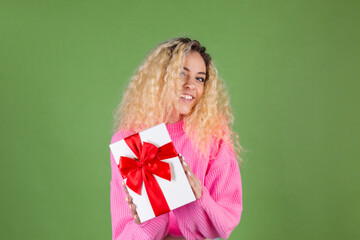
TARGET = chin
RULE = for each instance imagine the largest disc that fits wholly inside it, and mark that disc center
(184, 111)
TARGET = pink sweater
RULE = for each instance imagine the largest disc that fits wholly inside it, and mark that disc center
(215, 214)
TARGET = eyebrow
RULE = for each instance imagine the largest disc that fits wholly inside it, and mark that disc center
(197, 73)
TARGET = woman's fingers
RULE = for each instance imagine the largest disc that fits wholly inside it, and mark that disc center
(128, 199)
(131, 205)
(185, 165)
(134, 214)
(195, 183)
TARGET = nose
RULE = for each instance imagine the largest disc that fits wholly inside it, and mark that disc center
(189, 82)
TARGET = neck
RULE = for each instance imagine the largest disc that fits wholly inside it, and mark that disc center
(175, 118)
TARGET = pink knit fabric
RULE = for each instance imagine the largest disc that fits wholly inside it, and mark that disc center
(215, 214)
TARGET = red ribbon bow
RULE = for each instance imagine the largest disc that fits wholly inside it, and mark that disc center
(144, 167)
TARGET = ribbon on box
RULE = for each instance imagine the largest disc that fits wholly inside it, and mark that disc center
(141, 170)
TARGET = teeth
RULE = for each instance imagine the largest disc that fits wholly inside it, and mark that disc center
(186, 96)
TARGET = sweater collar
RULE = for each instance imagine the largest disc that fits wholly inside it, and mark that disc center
(175, 128)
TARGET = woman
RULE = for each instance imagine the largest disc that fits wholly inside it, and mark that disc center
(178, 84)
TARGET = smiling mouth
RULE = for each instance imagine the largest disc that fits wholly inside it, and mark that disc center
(186, 97)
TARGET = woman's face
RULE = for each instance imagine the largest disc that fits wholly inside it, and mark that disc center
(192, 77)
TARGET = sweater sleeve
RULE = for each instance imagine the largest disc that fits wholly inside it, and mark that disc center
(123, 225)
(218, 211)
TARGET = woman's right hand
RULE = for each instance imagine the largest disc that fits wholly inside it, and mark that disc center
(131, 205)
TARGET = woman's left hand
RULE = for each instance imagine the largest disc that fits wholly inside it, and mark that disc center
(195, 183)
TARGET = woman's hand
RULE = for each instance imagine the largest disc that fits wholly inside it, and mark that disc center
(131, 205)
(195, 183)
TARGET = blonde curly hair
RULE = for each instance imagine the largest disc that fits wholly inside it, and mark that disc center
(155, 87)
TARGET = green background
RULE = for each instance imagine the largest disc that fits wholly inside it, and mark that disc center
(292, 68)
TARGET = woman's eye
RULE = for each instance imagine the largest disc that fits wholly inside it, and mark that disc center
(182, 74)
(200, 79)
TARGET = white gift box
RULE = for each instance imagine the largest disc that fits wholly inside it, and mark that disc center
(177, 192)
